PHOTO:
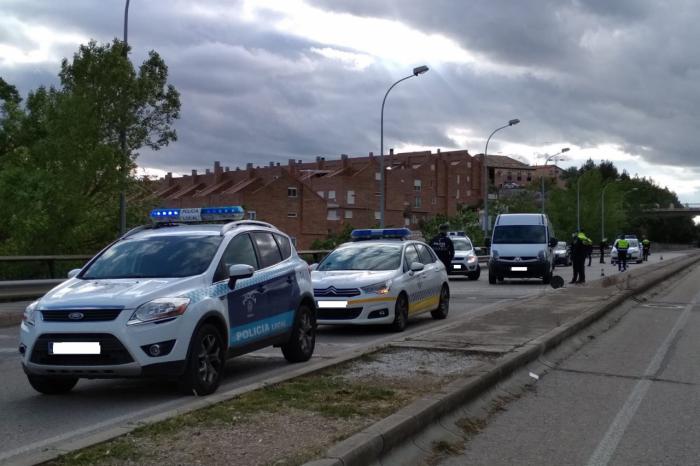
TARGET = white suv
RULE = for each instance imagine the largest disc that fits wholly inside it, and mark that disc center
(173, 300)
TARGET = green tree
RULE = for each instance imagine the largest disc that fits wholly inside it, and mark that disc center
(61, 165)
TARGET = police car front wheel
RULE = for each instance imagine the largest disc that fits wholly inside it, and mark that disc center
(205, 363)
(400, 314)
(51, 385)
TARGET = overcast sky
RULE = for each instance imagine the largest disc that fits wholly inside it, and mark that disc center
(269, 80)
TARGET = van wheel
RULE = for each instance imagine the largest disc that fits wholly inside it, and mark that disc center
(400, 314)
(492, 278)
(302, 342)
(51, 385)
(205, 362)
(444, 305)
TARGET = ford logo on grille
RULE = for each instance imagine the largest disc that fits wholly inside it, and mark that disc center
(76, 316)
(518, 259)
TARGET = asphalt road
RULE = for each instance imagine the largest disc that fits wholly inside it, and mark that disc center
(31, 421)
(629, 397)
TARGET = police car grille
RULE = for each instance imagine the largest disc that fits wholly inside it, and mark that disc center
(112, 352)
(522, 258)
(89, 315)
(340, 292)
(339, 314)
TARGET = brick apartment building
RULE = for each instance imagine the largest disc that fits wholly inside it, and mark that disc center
(308, 200)
(553, 172)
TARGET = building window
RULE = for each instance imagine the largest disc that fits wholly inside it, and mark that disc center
(332, 215)
(520, 176)
(529, 177)
(377, 215)
(414, 219)
(252, 215)
(457, 196)
(348, 214)
(291, 191)
(331, 195)
(469, 165)
(407, 221)
(417, 184)
(469, 193)
(377, 176)
(294, 240)
(457, 179)
(417, 202)
(510, 176)
(292, 214)
(468, 178)
(351, 197)
(432, 167)
(434, 200)
(321, 194)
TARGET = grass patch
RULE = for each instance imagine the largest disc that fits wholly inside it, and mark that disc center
(324, 393)
(444, 447)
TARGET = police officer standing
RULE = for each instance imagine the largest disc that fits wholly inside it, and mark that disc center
(578, 254)
(443, 247)
(646, 246)
(589, 247)
(622, 246)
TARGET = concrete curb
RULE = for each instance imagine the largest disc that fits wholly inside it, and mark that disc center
(369, 445)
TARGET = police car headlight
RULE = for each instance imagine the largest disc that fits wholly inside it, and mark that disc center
(472, 259)
(159, 309)
(378, 288)
(30, 313)
(495, 254)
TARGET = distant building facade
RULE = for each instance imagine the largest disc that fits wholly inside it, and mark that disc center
(309, 200)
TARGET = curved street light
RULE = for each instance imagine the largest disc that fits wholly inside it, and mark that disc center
(122, 139)
(416, 71)
(549, 157)
(484, 174)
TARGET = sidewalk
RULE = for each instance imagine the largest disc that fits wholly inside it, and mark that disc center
(504, 339)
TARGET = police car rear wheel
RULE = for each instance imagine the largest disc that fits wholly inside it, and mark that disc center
(49, 385)
(205, 363)
(301, 343)
(444, 306)
(400, 314)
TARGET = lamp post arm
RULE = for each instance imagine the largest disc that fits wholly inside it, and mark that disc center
(485, 180)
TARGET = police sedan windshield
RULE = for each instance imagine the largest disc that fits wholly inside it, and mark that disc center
(461, 244)
(155, 257)
(363, 256)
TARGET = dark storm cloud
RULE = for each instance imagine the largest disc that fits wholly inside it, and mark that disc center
(584, 72)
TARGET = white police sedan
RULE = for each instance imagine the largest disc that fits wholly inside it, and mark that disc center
(380, 278)
(173, 300)
(465, 261)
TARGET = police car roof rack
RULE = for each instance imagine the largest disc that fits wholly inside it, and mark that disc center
(241, 223)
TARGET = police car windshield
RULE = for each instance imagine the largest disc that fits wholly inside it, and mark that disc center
(519, 234)
(363, 257)
(155, 257)
(461, 244)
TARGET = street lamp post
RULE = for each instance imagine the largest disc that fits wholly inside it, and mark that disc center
(122, 140)
(578, 204)
(484, 174)
(416, 71)
(549, 157)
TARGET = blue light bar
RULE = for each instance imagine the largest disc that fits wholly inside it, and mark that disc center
(379, 233)
(198, 214)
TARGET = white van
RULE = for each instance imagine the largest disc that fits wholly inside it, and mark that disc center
(521, 247)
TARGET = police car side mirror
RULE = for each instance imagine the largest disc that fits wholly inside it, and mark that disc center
(417, 266)
(313, 267)
(237, 272)
(73, 273)
(552, 242)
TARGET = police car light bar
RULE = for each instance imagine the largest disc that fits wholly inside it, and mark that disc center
(379, 233)
(198, 214)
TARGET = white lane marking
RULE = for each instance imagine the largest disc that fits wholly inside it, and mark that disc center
(9, 350)
(608, 444)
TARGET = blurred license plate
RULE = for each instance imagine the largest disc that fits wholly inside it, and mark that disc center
(74, 347)
(333, 304)
(519, 269)
(456, 266)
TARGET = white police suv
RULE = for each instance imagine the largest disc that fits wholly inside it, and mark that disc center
(173, 299)
(380, 278)
(465, 261)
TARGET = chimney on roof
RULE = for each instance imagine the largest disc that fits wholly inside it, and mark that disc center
(292, 167)
(391, 151)
(238, 169)
(299, 161)
(218, 172)
(227, 169)
(438, 151)
(169, 179)
(319, 163)
(272, 164)
(194, 176)
(344, 160)
(207, 171)
(278, 164)
(248, 166)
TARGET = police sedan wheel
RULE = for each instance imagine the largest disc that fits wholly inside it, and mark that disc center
(302, 342)
(205, 363)
(400, 314)
(444, 306)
